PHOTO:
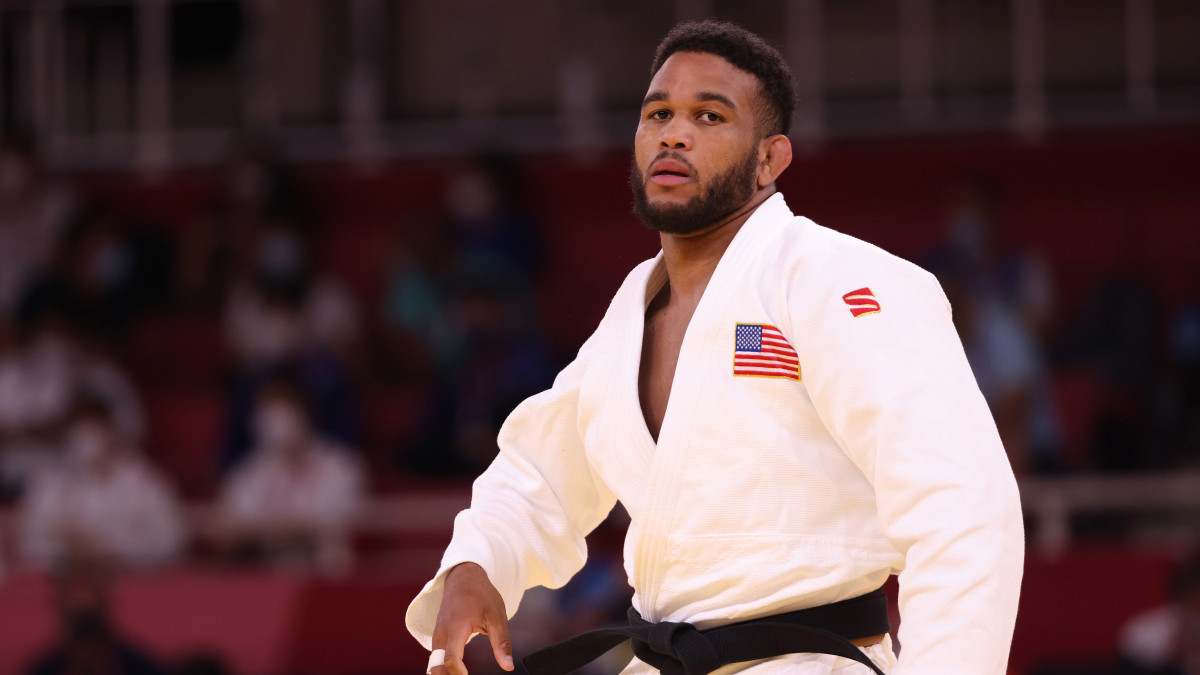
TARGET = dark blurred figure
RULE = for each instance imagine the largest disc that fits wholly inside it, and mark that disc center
(416, 301)
(491, 222)
(284, 317)
(293, 500)
(499, 358)
(1166, 640)
(103, 497)
(976, 251)
(33, 212)
(282, 314)
(1178, 408)
(89, 643)
(105, 272)
(1117, 337)
(462, 297)
(1002, 301)
(50, 369)
(221, 246)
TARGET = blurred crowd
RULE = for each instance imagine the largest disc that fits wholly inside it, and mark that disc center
(1124, 366)
(455, 322)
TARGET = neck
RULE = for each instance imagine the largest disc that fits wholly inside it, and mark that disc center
(691, 258)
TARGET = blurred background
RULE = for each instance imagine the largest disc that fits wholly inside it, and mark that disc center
(272, 274)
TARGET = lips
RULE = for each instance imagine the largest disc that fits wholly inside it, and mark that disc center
(670, 172)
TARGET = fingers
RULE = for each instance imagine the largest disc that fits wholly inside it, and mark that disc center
(454, 643)
(497, 632)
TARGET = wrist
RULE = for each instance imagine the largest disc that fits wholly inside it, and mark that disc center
(464, 569)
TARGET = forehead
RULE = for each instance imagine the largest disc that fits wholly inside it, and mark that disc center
(685, 74)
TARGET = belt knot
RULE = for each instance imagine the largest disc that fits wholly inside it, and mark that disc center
(688, 651)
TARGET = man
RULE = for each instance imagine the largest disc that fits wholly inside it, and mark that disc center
(104, 498)
(89, 643)
(810, 426)
(294, 499)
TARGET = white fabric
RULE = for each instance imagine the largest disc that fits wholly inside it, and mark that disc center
(266, 491)
(128, 512)
(769, 495)
(261, 333)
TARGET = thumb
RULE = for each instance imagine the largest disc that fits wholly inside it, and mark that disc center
(497, 631)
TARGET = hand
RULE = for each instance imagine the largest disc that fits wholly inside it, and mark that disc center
(470, 604)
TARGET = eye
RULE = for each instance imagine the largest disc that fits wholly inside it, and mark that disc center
(658, 115)
(710, 117)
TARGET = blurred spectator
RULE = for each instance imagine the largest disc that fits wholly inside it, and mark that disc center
(33, 212)
(88, 643)
(220, 247)
(978, 253)
(40, 380)
(283, 306)
(325, 384)
(1116, 336)
(1182, 415)
(500, 359)
(104, 498)
(284, 317)
(104, 273)
(1166, 640)
(492, 226)
(295, 497)
(415, 304)
(1002, 301)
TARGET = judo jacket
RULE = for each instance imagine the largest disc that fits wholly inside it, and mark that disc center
(824, 431)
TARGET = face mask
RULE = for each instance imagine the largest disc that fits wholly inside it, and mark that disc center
(279, 427)
(86, 445)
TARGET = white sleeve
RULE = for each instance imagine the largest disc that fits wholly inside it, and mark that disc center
(531, 509)
(895, 390)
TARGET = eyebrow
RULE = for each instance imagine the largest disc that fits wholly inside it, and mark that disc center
(661, 95)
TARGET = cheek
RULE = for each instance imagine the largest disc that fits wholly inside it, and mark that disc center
(645, 146)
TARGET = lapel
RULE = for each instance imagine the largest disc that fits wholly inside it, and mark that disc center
(663, 463)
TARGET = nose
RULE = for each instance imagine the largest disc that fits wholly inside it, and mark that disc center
(675, 136)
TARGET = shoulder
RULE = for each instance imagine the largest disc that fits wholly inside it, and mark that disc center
(822, 252)
(827, 269)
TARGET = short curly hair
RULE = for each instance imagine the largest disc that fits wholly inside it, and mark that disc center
(745, 51)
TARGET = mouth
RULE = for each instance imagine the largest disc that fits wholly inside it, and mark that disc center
(670, 172)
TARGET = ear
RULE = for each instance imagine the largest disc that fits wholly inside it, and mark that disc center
(775, 154)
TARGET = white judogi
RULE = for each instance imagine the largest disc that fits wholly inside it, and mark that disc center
(766, 495)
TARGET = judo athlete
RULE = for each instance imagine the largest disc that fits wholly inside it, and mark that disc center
(785, 412)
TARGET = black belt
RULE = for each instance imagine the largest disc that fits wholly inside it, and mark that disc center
(681, 649)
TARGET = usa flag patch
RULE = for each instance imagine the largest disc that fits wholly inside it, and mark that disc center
(760, 350)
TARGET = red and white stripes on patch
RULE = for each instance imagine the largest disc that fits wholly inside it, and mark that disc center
(760, 350)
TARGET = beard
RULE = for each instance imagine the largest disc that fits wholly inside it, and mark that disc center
(726, 193)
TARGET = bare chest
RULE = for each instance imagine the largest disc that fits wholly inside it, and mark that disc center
(662, 339)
